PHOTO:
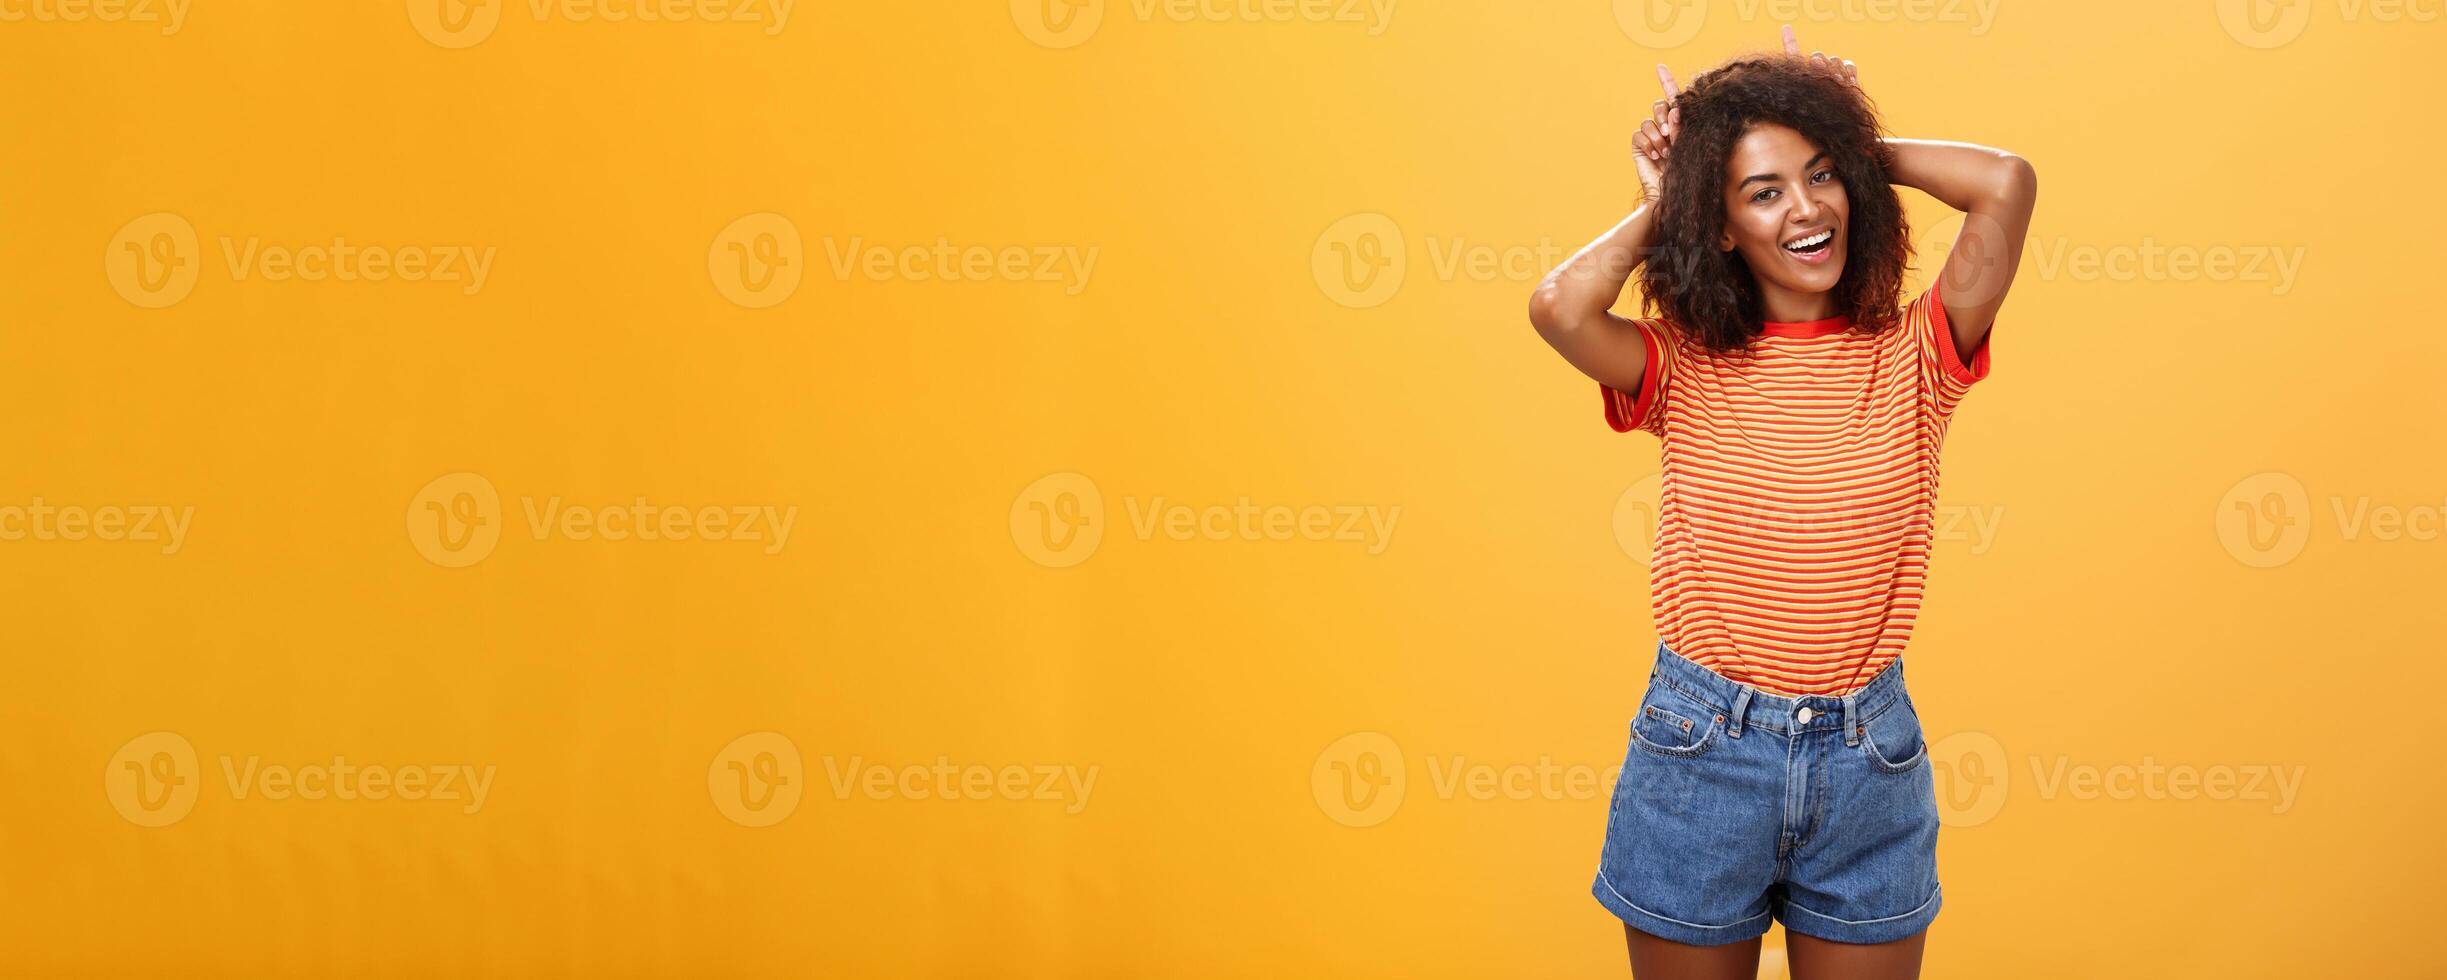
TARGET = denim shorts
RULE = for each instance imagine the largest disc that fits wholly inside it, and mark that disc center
(1736, 805)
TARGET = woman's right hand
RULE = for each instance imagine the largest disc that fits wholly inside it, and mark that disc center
(1655, 140)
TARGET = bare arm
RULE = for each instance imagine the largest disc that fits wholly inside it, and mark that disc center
(1996, 191)
(1573, 307)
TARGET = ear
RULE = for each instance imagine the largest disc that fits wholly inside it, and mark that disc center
(1724, 241)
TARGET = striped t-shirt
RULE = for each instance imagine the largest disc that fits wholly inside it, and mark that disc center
(1799, 489)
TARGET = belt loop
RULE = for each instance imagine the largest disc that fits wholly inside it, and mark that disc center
(1852, 728)
(1741, 709)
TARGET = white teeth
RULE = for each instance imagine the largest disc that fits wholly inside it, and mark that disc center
(1802, 243)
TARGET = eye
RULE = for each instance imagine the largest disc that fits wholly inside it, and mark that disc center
(1763, 196)
(1822, 176)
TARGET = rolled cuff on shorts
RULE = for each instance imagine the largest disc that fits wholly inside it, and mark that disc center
(1676, 930)
(1814, 925)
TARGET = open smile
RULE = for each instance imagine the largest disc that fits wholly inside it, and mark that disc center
(1813, 248)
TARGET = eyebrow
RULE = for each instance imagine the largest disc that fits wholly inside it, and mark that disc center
(1771, 177)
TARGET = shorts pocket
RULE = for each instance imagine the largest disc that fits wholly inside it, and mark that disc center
(1892, 740)
(1675, 728)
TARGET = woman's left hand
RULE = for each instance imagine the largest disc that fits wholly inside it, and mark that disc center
(1792, 46)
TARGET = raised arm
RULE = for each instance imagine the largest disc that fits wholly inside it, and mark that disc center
(1573, 307)
(1994, 189)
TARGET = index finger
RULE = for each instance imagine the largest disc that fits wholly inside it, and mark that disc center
(1665, 76)
(1792, 45)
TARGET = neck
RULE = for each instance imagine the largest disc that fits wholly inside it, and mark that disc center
(1785, 306)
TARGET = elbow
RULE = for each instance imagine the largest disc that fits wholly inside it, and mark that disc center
(1546, 310)
(2017, 182)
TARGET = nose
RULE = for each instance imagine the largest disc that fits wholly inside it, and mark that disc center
(1806, 207)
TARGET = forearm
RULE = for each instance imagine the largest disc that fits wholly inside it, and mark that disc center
(1589, 283)
(1965, 176)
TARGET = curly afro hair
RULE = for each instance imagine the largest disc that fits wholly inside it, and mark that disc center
(1713, 293)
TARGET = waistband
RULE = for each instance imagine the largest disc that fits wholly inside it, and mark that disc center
(1746, 707)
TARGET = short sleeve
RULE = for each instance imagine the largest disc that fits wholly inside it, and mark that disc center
(1643, 409)
(1941, 366)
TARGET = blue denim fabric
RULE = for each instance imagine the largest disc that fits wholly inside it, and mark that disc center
(1732, 810)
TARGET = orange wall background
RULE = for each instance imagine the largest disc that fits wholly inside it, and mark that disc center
(1067, 490)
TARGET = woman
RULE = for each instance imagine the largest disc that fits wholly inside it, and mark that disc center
(1777, 769)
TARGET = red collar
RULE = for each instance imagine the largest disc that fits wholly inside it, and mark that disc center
(1807, 328)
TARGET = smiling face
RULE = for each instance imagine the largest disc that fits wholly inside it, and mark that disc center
(1782, 191)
